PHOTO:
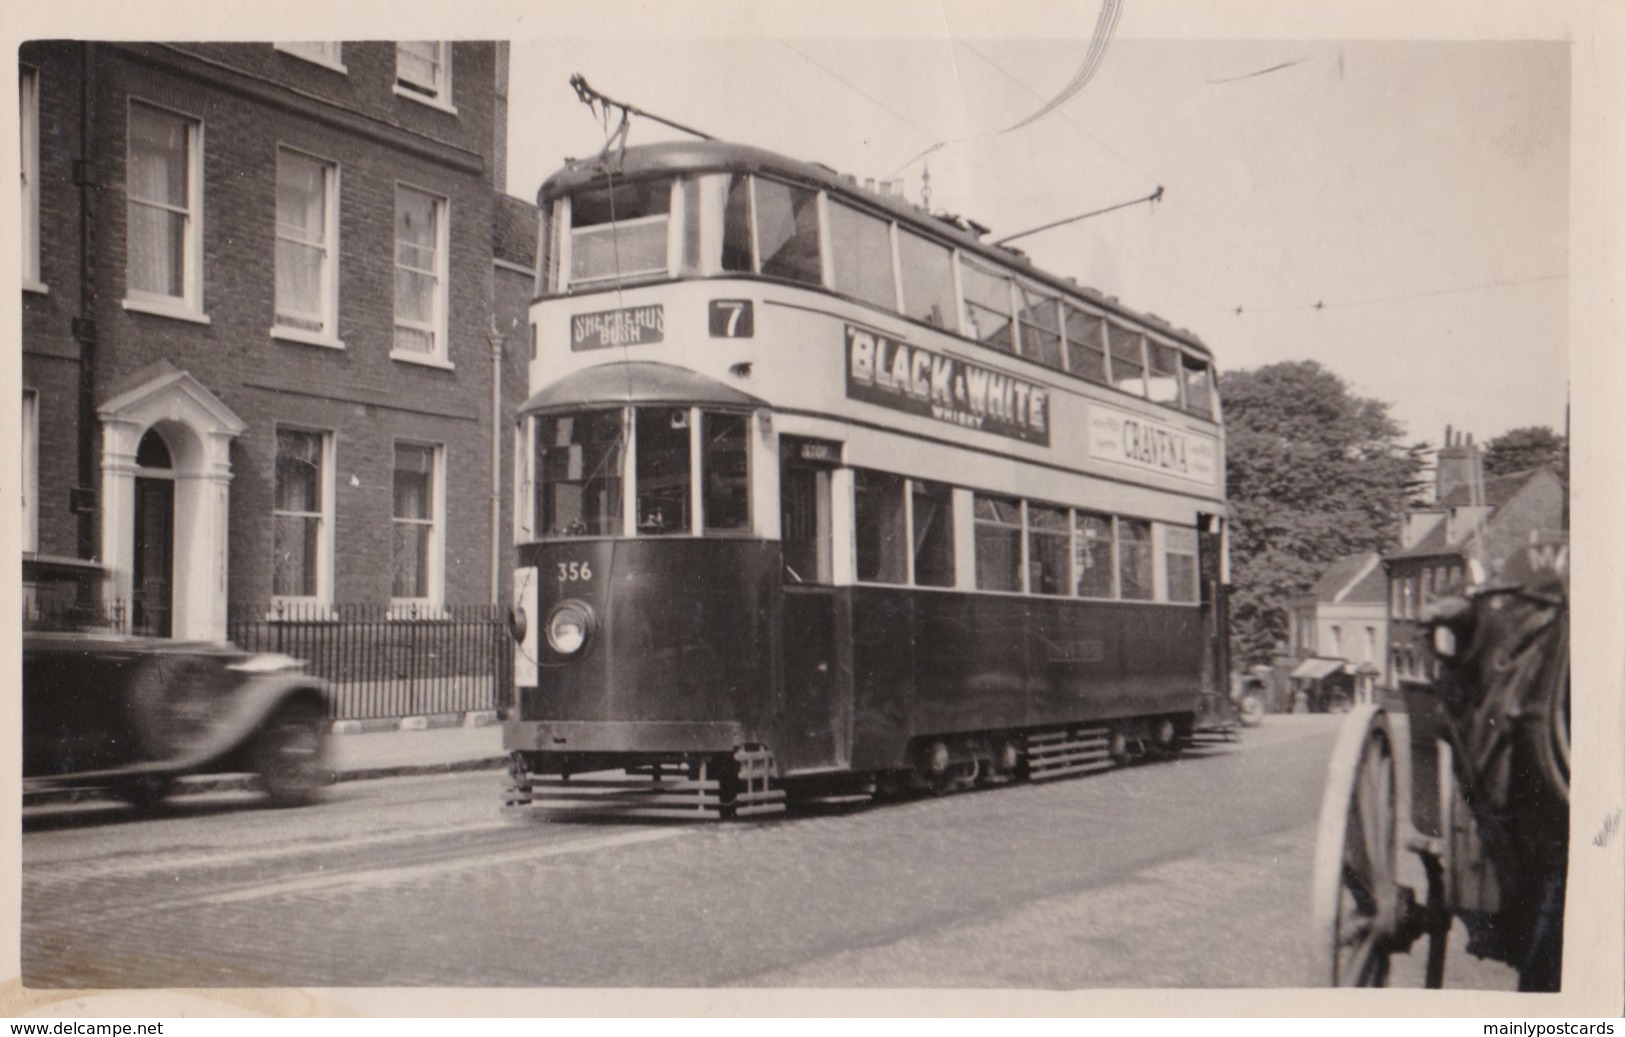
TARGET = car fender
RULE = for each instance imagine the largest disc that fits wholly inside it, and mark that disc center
(257, 699)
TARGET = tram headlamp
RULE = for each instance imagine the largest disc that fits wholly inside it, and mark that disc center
(568, 626)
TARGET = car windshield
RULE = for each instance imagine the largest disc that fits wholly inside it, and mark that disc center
(65, 597)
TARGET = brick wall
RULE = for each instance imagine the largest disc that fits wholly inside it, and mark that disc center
(366, 399)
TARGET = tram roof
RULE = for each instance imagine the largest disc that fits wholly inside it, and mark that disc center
(640, 381)
(691, 156)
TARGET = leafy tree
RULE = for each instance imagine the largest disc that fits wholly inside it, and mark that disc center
(1315, 473)
(1524, 448)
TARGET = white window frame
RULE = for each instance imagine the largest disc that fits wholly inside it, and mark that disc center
(323, 598)
(28, 143)
(328, 334)
(326, 53)
(440, 356)
(189, 305)
(431, 603)
(30, 470)
(436, 93)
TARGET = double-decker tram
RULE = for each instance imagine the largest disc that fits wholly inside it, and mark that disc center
(822, 494)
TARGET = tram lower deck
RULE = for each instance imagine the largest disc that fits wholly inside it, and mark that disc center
(695, 662)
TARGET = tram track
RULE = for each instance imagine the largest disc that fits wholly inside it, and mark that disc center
(328, 869)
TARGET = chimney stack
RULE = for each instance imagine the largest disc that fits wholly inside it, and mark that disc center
(1456, 464)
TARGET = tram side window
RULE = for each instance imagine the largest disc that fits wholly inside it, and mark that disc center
(1049, 547)
(661, 447)
(987, 306)
(725, 469)
(618, 232)
(1134, 559)
(928, 279)
(1040, 318)
(1096, 566)
(882, 538)
(1128, 359)
(860, 249)
(998, 543)
(933, 534)
(1163, 376)
(1086, 345)
(787, 232)
(578, 463)
(1198, 389)
(1179, 557)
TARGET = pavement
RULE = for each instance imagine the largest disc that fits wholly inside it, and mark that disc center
(364, 749)
(415, 745)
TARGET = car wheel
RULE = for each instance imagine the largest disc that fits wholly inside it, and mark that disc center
(290, 756)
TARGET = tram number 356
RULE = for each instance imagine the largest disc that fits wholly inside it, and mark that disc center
(575, 572)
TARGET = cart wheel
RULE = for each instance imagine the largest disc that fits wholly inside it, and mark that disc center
(1357, 907)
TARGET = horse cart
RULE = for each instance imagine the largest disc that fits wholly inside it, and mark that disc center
(1472, 776)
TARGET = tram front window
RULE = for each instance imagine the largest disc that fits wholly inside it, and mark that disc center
(578, 463)
(664, 471)
(724, 465)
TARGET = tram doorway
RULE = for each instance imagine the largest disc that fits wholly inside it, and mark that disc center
(817, 699)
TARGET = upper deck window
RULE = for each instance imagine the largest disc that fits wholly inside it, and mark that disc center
(987, 306)
(860, 246)
(1163, 375)
(1128, 359)
(1040, 318)
(928, 279)
(1086, 345)
(787, 232)
(1198, 389)
(619, 232)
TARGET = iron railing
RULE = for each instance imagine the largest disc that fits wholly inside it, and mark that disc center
(389, 661)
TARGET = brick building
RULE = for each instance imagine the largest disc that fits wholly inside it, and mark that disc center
(1472, 519)
(274, 301)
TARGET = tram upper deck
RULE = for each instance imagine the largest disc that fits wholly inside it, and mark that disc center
(856, 316)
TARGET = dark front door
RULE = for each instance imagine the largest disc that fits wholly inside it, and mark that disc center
(816, 728)
(154, 569)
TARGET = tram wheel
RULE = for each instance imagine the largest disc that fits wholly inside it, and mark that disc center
(1357, 908)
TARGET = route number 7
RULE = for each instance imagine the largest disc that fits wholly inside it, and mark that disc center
(732, 318)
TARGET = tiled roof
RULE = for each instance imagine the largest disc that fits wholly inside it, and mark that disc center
(1498, 489)
(1347, 572)
(1373, 587)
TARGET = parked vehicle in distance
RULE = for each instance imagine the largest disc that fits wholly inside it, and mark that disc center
(111, 711)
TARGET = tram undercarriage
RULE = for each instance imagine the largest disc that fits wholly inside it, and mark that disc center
(746, 783)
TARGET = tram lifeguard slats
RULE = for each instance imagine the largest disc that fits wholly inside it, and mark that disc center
(658, 790)
(629, 795)
(1208, 736)
(756, 793)
(1057, 754)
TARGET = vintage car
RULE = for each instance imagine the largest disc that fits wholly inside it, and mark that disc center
(110, 711)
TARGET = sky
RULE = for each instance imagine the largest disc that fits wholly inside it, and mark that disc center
(1398, 211)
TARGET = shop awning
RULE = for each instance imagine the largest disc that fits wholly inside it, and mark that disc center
(1316, 669)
